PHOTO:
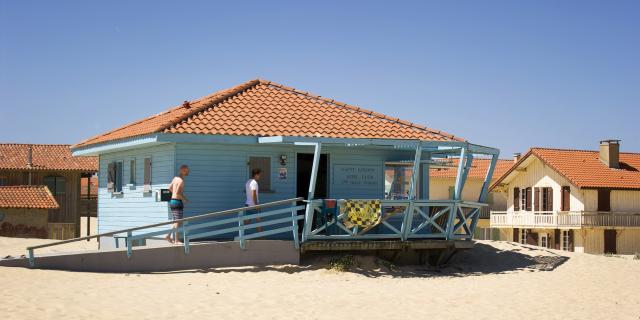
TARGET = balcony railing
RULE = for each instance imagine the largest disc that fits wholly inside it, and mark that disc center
(563, 219)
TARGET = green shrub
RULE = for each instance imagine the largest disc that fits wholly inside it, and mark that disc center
(342, 263)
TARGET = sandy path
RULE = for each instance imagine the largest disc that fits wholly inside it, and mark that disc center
(495, 280)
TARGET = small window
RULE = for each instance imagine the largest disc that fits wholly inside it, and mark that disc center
(114, 177)
(264, 164)
(397, 180)
(523, 236)
(523, 199)
(604, 200)
(566, 240)
(56, 185)
(132, 172)
(4, 181)
(147, 175)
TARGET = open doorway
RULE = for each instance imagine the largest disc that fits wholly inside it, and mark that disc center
(303, 176)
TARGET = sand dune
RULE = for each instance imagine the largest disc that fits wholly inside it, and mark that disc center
(495, 280)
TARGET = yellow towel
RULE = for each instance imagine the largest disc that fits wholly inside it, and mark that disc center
(362, 213)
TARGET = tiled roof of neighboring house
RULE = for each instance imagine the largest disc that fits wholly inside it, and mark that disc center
(584, 169)
(478, 170)
(37, 197)
(14, 156)
(264, 108)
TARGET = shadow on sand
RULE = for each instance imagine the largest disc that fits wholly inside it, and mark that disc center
(483, 259)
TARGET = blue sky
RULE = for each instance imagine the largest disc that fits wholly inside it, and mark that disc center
(508, 74)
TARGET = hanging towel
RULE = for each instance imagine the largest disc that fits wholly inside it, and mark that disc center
(361, 213)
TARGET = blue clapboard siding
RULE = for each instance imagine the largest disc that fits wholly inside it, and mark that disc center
(134, 207)
(219, 173)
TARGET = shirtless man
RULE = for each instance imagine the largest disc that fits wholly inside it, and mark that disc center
(176, 187)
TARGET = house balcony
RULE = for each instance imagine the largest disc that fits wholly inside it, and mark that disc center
(564, 219)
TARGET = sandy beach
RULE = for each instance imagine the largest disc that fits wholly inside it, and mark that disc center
(495, 280)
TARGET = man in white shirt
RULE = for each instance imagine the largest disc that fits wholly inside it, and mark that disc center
(252, 189)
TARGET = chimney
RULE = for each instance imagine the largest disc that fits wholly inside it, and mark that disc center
(610, 153)
(186, 104)
(30, 156)
(516, 157)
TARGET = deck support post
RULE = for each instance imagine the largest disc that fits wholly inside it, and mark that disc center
(484, 191)
(408, 217)
(308, 214)
(487, 179)
(464, 164)
(424, 186)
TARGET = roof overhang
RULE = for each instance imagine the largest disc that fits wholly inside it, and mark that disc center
(406, 144)
(444, 147)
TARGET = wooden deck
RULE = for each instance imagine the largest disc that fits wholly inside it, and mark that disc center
(386, 245)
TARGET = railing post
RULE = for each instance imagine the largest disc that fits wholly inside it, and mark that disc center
(241, 230)
(453, 207)
(32, 260)
(129, 245)
(294, 221)
(408, 218)
(185, 237)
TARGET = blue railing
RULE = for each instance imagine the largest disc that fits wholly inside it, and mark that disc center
(281, 217)
(399, 219)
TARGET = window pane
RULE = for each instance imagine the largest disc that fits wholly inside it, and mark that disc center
(60, 186)
(397, 181)
(132, 172)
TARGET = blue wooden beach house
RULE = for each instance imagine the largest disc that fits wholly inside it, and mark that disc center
(318, 155)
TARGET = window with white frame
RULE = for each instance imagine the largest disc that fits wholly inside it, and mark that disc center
(114, 177)
(566, 240)
(523, 236)
(544, 240)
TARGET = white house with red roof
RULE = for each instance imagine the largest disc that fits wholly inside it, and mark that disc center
(575, 200)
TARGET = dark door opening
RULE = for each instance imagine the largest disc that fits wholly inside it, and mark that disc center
(303, 176)
(610, 241)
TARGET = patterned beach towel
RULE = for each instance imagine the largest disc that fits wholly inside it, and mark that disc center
(361, 213)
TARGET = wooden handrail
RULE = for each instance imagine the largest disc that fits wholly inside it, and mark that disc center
(198, 217)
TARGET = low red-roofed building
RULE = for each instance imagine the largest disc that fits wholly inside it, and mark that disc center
(24, 210)
(587, 201)
(54, 168)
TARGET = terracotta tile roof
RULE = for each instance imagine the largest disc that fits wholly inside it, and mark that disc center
(264, 108)
(478, 170)
(37, 197)
(14, 156)
(584, 169)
